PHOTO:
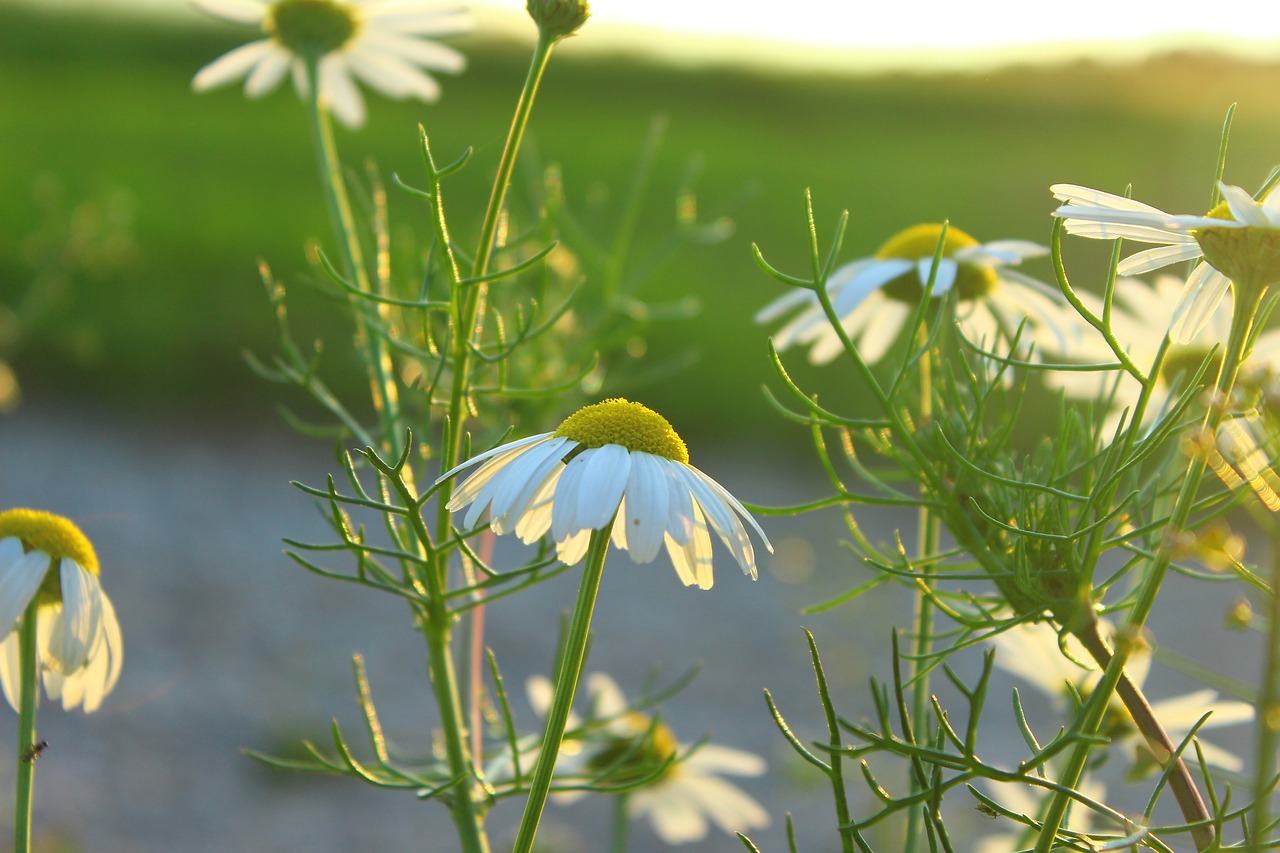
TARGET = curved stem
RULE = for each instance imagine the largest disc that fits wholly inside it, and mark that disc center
(26, 728)
(1181, 782)
(570, 673)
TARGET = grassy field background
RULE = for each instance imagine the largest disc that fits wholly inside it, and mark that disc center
(97, 120)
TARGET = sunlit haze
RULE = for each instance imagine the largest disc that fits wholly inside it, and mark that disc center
(905, 35)
(839, 34)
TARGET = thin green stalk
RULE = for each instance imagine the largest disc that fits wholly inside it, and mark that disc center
(371, 347)
(926, 544)
(1242, 323)
(619, 832)
(567, 679)
(26, 728)
(1268, 710)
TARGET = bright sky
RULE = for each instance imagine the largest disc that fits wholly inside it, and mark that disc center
(907, 33)
(879, 34)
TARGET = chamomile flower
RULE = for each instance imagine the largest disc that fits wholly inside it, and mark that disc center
(875, 296)
(378, 42)
(1031, 651)
(614, 463)
(624, 745)
(1239, 240)
(45, 558)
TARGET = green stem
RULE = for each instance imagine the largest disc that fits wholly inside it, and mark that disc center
(926, 544)
(1268, 710)
(26, 728)
(567, 679)
(371, 347)
(621, 824)
(1248, 299)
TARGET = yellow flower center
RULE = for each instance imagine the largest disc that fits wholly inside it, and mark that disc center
(311, 28)
(634, 756)
(624, 423)
(50, 534)
(1248, 256)
(921, 241)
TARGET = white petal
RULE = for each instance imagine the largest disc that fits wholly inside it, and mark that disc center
(232, 65)
(1118, 231)
(676, 819)
(604, 478)
(509, 507)
(1200, 298)
(103, 671)
(393, 77)
(869, 279)
(1078, 195)
(571, 549)
(890, 318)
(607, 698)
(426, 54)
(434, 22)
(711, 758)
(11, 670)
(1243, 207)
(19, 581)
(943, 279)
(268, 74)
(692, 560)
(784, 304)
(489, 454)
(239, 11)
(340, 93)
(645, 513)
(1002, 252)
(79, 625)
(1161, 256)
(731, 808)
(503, 477)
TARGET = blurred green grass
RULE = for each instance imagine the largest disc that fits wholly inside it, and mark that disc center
(103, 103)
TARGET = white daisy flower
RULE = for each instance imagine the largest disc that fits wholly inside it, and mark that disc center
(1239, 239)
(1031, 651)
(375, 41)
(1142, 315)
(618, 463)
(875, 296)
(46, 558)
(688, 794)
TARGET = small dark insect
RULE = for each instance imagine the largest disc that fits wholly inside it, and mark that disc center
(34, 752)
(985, 809)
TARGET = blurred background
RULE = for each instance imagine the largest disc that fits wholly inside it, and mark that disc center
(132, 217)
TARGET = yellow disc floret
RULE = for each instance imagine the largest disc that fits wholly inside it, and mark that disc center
(920, 242)
(625, 423)
(1245, 255)
(637, 754)
(50, 534)
(311, 28)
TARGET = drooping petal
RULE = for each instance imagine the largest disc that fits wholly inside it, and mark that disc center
(943, 279)
(645, 512)
(393, 77)
(238, 11)
(676, 819)
(1160, 256)
(692, 560)
(233, 65)
(1199, 299)
(426, 54)
(268, 73)
(20, 578)
(11, 670)
(340, 92)
(79, 624)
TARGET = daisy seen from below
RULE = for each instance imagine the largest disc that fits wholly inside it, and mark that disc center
(1142, 316)
(614, 464)
(378, 42)
(875, 296)
(1031, 651)
(1239, 240)
(618, 744)
(49, 568)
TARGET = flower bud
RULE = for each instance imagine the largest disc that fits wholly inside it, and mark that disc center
(559, 18)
